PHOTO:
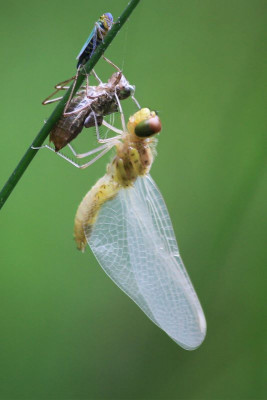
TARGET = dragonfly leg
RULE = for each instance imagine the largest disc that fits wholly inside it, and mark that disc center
(104, 151)
(61, 97)
(89, 153)
(87, 85)
(136, 102)
(77, 155)
(87, 81)
(121, 112)
(111, 63)
(58, 87)
(108, 126)
(71, 93)
(97, 157)
(61, 85)
(112, 128)
(46, 146)
(97, 77)
(45, 102)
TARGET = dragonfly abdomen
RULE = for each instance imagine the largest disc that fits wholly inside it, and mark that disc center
(68, 127)
(105, 189)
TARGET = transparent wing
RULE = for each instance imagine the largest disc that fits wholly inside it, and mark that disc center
(92, 34)
(134, 242)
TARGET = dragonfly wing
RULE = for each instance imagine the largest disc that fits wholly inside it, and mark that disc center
(92, 34)
(134, 242)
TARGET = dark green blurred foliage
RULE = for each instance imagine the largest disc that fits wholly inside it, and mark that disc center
(67, 332)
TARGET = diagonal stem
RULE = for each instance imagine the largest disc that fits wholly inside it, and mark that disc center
(54, 117)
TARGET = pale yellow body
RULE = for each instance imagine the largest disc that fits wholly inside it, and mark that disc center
(134, 157)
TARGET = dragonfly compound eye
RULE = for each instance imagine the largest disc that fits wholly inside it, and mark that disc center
(148, 127)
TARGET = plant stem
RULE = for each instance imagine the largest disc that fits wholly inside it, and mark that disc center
(56, 114)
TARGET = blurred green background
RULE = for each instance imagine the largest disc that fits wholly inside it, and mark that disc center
(67, 332)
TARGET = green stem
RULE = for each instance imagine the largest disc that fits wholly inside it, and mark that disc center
(54, 117)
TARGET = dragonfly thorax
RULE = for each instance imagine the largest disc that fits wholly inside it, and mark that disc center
(133, 159)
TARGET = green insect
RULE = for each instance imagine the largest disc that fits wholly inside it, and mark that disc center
(101, 28)
(96, 37)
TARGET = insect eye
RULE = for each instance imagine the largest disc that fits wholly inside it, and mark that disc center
(148, 127)
(109, 17)
(107, 20)
(126, 92)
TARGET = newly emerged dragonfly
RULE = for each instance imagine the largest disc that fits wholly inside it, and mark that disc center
(89, 102)
(125, 221)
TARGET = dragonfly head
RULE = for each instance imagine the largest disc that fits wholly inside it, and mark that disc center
(126, 92)
(144, 123)
(119, 83)
(124, 89)
(107, 21)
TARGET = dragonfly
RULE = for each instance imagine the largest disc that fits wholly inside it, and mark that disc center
(94, 101)
(125, 221)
